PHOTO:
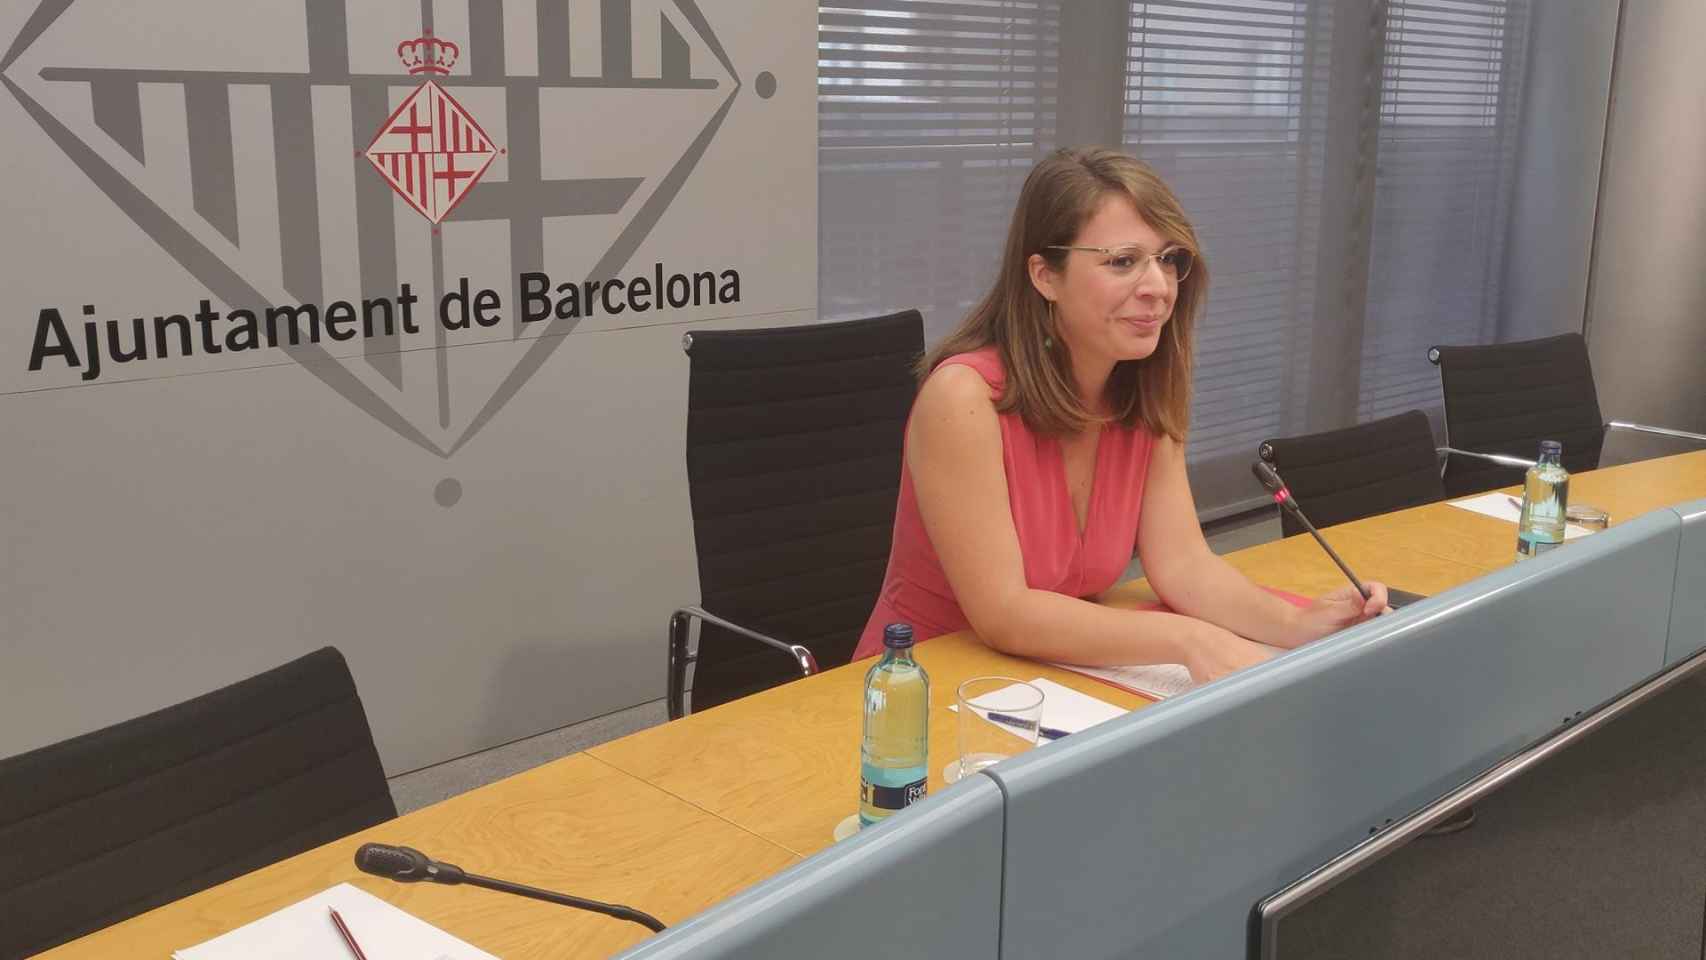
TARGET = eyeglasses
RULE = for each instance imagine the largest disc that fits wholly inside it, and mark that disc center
(1128, 261)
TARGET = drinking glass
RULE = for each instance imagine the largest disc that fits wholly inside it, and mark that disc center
(998, 718)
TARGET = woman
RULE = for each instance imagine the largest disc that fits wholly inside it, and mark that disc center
(1048, 438)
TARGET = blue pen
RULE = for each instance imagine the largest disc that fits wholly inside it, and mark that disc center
(1047, 733)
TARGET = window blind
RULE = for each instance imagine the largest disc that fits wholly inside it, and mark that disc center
(1450, 108)
(929, 116)
(931, 112)
(1227, 100)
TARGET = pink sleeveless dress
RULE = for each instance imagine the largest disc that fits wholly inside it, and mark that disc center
(915, 589)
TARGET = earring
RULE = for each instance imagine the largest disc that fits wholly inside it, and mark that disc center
(1048, 338)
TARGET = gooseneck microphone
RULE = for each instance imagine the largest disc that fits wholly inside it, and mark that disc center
(1271, 479)
(408, 865)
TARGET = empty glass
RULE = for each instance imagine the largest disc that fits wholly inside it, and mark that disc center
(1590, 517)
(998, 718)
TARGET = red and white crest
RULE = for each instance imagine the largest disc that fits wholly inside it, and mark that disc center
(431, 150)
(326, 230)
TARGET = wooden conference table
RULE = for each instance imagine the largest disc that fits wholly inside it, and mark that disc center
(675, 818)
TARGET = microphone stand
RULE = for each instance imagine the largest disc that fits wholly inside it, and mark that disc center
(1270, 479)
(1286, 501)
(608, 909)
(408, 865)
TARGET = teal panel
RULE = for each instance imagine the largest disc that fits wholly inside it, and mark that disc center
(925, 884)
(1688, 606)
(1154, 835)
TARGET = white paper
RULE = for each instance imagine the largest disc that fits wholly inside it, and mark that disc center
(1064, 708)
(1157, 680)
(305, 929)
(1503, 506)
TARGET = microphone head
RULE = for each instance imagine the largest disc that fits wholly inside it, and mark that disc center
(403, 864)
(1268, 475)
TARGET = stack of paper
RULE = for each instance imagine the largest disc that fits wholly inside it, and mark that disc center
(305, 929)
(1155, 680)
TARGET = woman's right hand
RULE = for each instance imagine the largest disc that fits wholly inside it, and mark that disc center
(1212, 652)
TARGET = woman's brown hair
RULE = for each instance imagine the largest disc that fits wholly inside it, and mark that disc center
(1061, 194)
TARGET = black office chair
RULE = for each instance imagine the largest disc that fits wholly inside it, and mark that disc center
(110, 824)
(793, 468)
(1503, 399)
(1342, 475)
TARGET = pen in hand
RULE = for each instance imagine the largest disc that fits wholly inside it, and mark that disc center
(349, 938)
(1047, 733)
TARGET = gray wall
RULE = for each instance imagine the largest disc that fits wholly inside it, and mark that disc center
(1558, 164)
(491, 523)
(1647, 308)
(1608, 232)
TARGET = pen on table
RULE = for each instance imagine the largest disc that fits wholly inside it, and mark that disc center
(1047, 733)
(349, 938)
(1513, 501)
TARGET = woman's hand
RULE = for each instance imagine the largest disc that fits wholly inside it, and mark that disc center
(1335, 611)
(1212, 652)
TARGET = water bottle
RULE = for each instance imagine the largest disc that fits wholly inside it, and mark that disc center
(1545, 496)
(894, 766)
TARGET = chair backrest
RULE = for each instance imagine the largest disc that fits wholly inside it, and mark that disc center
(1342, 475)
(793, 466)
(116, 822)
(1507, 397)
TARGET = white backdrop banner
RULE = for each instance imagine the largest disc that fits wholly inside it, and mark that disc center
(357, 322)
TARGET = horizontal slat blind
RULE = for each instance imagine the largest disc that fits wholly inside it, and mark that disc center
(929, 116)
(931, 112)
(1450, 109)
(1227, 100)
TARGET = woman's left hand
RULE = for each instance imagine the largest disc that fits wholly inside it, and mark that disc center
(1342, 608)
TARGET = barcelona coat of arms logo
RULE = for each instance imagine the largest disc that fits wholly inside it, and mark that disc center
(431, 150)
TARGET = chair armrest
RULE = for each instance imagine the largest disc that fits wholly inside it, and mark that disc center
(1502, 459)
(680, 657)
(1661, 431)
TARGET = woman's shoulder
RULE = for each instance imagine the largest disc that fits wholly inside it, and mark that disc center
(986, 361)
(957, 386)
(954, 416)
(961, 378)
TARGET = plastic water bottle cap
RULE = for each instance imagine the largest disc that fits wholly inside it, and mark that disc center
(897, 635)
(1553, 447)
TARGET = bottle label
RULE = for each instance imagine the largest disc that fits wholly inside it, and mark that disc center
(1527, 548)
(892, 798)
